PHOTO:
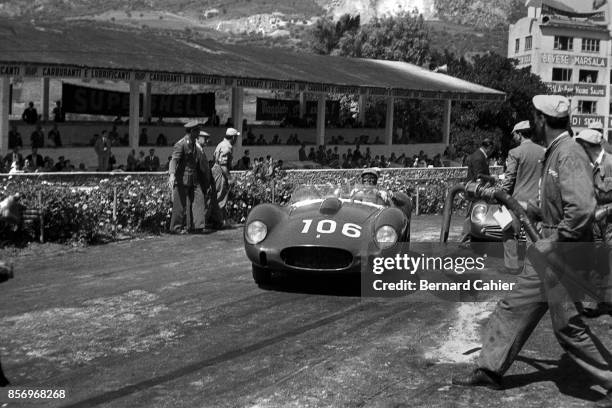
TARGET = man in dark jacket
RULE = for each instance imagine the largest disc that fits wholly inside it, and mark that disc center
(521, 180)
(185, 178)
(30, 115)
(477, 163)
(567, 203)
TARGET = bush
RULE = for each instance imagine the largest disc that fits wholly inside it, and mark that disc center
(79, 208)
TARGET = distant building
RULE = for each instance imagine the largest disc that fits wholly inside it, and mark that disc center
(571, 51)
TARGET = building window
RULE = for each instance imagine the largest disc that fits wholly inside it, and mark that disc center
(528, 45)
(517, 45)
(587, 107)
(562, 74)
(590, 45)
(564, 43)
(587, 76)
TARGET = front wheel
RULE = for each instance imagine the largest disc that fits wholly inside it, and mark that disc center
(261, 276)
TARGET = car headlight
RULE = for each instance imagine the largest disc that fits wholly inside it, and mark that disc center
(479, 213)
(256, 232)
(386, 237)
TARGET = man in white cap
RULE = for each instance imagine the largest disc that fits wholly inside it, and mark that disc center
(226, 148)
(601, 162)
(186, 176)
(523, 169)
(567, 204)
(598, 126)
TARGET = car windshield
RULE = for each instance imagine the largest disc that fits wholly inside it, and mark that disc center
(318, 191)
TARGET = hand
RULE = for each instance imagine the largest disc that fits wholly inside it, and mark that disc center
(171, 181)
(544, 246)
(523, 204)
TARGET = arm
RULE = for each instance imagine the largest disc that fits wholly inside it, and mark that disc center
(177, 154)
(578, 197)
(510, 175)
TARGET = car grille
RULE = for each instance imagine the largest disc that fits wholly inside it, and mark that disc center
(321, 258)
(493, 231)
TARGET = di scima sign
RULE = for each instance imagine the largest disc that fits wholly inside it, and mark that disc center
(585, 120)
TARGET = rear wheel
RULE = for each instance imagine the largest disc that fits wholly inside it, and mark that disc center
(262, 276)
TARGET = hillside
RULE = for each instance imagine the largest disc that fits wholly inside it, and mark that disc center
(461, 26)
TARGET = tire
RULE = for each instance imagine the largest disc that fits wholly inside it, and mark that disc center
(262, 276)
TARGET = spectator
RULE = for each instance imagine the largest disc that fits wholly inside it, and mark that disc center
(35, 159)
(312, 155)
(140, 162)
(28, 167)
(103, 150)
(82, 167)
(68, 166)
(14, 139)
(48, 164)
(30, 115)
(251, 139)
(58, 113)
(377, 140)
(151, 162)
(161, 140)
(13, 159)
(132, 162)
(143, 139)
(118, 120)
(204, 138)
(368, 155)
(60, 165)
(245, 161)
(302, 153)
(37, 138)
(54, 134)
(276, 140)
(261, 141)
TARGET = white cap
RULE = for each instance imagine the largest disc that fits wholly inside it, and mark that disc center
(232, 132)
(524, 125)
(590, 136)
(191, 124)
(556, 106)
(203, 133)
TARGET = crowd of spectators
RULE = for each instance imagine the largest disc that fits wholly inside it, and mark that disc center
(358, 158)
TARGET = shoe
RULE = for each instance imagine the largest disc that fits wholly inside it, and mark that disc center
(480, 378)
(605, 402)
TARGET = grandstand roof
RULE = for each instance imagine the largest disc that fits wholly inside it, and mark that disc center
(90, 51)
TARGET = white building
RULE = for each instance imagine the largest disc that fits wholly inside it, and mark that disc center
(571, 51)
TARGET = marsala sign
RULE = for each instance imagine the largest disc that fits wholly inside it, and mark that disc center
(94, 101)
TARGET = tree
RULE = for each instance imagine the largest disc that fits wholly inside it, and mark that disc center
(398, 38)
(325, 34)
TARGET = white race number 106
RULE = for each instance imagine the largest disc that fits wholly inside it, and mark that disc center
(329, 227)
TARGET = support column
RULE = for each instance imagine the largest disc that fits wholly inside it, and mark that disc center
(389, 121)
(5, 102)
(45, 98)
(321, 119)
(302, 105)
(146, 103)
(446, 122)
(237, 112)
(134, 113)
(362, 109)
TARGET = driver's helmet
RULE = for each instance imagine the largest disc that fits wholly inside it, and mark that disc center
(367, 174)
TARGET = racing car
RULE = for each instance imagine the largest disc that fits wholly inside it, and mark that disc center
(325, 229)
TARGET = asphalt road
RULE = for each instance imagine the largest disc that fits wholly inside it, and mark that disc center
(176, 321)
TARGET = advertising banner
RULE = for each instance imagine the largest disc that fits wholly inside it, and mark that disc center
(94, 101)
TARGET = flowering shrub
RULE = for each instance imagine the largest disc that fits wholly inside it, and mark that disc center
(80, 209)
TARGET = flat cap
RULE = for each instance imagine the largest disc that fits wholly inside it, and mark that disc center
(192, 124)
(524, 125)
(232, 132)
(590, 136)
(596, 125)
(203, 133)
(556, 106)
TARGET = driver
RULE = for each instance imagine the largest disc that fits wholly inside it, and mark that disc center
(368, 191)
